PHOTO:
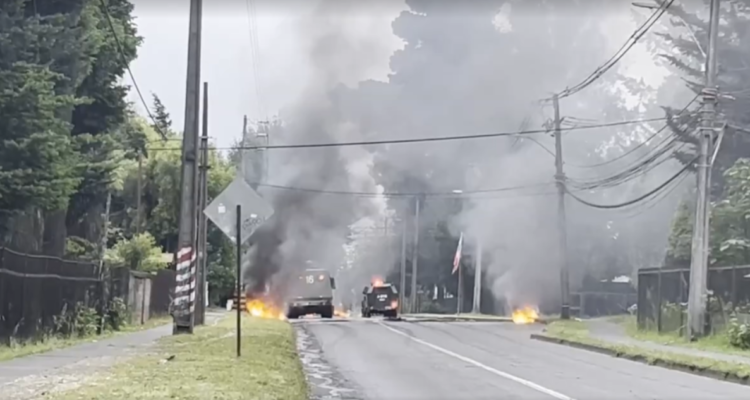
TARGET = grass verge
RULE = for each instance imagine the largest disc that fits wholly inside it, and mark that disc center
(576, 334)
(716, 343)
(54, 343)
(204, 366)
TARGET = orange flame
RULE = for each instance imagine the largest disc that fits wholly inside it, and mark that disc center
(341, 313)
(257, 308)
(377, 281)
(525, 315)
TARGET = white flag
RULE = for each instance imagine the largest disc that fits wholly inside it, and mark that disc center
(457, 258)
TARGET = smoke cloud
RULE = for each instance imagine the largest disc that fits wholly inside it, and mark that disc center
(480, 67)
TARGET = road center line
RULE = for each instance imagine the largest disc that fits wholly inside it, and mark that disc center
(524, 382)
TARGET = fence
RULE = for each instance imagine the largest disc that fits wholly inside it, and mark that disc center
(37, 291)
(663, 295)
(40, 295)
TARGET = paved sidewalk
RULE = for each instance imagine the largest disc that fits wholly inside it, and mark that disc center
(611, 332)
(44, 363)
(109, 349)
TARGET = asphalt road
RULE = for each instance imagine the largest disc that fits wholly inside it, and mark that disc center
(372, 359)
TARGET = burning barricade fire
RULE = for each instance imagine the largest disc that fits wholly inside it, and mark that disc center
(525, 315)
(259, 308)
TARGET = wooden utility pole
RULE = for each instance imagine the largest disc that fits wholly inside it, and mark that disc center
(184, 307)
(139, 193)
(562, 230)
(697, 295)
(202, 220)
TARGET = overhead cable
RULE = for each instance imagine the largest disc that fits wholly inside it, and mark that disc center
(632, 40)
(638, 199)
(639, 145)
(121, 52)
(435, 139)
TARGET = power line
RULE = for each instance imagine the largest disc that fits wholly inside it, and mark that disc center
(638, 199)
(645, 165)
(121, 52)
(457, 194)
(433, 139)
(632, 40)
(645, 142)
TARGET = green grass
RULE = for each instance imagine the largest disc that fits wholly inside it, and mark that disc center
(577, 332)
(204, 366)
(53, 343)
(716, 343)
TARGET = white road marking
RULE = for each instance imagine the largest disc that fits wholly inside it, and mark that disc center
(524, 382)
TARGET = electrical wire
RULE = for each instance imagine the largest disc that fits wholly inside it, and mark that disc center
(656, 200)
(632, 40)
(457, 194)
(645, 165)
(430, 139)
(638, 199)
(638, 146)
(121, 52)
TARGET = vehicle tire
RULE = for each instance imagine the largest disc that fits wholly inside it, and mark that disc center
(327, 313)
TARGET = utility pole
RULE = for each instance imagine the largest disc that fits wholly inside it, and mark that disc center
(697, 298)
(202, 219)
(184, 312)
(562, 234)
(139, 194)
(402, 277)
(476, 306)
(414, 259)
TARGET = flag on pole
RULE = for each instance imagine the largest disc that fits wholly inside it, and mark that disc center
(457, 258)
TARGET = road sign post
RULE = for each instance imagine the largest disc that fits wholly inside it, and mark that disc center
(249, 213)
(239, 279)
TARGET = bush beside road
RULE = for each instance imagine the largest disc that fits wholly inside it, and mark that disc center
(705, 363)
(204, 366)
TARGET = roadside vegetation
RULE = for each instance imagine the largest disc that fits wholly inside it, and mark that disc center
(204, 366)
(577, 333)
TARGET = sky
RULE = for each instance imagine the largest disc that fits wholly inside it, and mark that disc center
(281, 67)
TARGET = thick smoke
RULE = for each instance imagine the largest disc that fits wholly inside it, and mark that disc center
(475, 68)
(310, 229)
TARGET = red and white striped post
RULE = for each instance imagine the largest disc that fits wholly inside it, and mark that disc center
(184, 291)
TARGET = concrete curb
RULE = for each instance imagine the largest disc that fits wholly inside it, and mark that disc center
(655, 361)
(408, 318)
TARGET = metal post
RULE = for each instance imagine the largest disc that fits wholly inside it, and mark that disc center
(460, 297)
(202, 219)
(562, 249)
(402, 277)
(239, 279)
(414, 259)
(700, 245)
(477, 304)
(186, 238)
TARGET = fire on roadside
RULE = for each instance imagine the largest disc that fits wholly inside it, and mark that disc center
(525, 315)
(259, 308)
(340, 312)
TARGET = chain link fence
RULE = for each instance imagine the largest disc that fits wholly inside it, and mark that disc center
(663, 296)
